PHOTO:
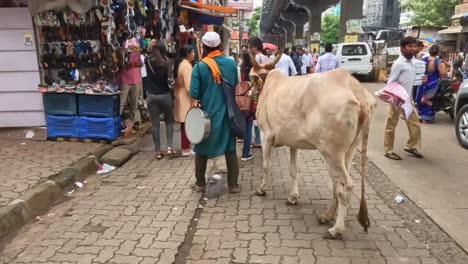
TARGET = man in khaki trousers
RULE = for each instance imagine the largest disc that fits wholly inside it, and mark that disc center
(403, 72)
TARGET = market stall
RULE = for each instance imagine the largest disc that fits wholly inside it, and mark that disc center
(84, 45)
(83, 48)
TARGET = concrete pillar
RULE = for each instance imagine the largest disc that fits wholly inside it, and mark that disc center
(282, 35)
(289, 27)
(314, 10)
(350, 9)
(299, 20)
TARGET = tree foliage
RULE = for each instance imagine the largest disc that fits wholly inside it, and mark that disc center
(254, 22)
(330, 28)
(430, 12)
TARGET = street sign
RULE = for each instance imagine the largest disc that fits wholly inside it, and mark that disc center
(289, 45)
(28, 39)
(299, 42)
(315, 36)
(241, 4)
(351, 38)
(315, 46)
(353, 26)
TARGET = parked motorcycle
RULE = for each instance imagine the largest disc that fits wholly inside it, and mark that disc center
(444, 100)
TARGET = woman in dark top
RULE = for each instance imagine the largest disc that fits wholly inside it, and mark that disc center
(245, 68)
(159, 96)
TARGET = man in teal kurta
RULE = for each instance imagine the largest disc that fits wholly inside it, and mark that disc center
(205, 88)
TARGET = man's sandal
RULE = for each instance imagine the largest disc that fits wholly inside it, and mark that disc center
(392, 156)
(414, 152)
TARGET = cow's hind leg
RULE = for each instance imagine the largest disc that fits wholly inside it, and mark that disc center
(266, 179)
(294, 196)
(330, 215)
(343, 185)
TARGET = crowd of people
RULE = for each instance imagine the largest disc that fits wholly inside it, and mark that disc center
(172, 89)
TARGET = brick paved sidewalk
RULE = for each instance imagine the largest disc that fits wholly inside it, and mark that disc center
(141, 214)
(24, 166)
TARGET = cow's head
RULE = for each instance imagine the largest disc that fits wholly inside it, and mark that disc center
(262, 70)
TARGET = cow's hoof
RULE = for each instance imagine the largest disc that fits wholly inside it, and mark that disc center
(292, 201)
(260, 193)
(323, 220)
(328, 235)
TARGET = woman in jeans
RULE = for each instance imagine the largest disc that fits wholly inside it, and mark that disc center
(159, 95)
(245, 68)
(183, 101)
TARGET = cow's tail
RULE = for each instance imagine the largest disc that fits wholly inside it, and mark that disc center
(365, 120)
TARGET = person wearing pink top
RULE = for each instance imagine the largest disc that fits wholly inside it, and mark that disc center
(130, 83)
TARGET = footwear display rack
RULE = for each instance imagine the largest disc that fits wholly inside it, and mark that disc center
(81, 55)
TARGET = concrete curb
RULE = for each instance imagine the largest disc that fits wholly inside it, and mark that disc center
(40, 198)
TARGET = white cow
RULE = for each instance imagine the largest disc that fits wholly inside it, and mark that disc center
(329, 112)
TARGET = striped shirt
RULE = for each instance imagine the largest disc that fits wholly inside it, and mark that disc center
(420, 68)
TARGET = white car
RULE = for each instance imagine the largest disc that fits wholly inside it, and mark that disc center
(355, 57)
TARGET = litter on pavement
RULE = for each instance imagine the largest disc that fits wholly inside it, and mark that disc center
(105, 168)
(79, 184)
(70, 192)
(29, 134)
(399, 199)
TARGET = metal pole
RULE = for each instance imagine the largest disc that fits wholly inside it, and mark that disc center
(241, 29)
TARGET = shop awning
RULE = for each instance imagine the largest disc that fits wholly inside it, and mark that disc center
(211, 10)
(79, 6)
(452, 30)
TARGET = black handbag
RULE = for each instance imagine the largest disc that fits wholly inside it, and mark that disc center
(236, 117)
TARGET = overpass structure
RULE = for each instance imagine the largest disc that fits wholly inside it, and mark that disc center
(282, 21)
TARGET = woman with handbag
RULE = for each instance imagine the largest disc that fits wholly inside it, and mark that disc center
(183, 101)
(159, 95)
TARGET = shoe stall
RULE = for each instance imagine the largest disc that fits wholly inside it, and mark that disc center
(82, 47)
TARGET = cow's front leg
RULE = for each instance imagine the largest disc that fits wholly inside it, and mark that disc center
(294, 196)
(266, 179)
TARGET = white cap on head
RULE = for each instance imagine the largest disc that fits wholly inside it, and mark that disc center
(211, 39)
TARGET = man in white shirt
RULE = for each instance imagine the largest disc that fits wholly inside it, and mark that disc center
(269, 54)
(307, 60)
(286, 65)
(403, 72)
(420, 68)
